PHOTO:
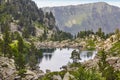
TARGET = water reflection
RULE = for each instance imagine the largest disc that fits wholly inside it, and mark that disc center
(89, 54)
(48, 56)
(86, 55)
(53, 59)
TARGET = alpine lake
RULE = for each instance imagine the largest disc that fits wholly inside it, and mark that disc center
(54, 59)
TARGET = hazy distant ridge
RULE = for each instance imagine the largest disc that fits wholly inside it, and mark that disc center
(87, 16)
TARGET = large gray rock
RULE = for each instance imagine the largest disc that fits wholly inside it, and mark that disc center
(115, 62)
(7, 69)
(57, 77)
(112, 60)
(33, 75)
(68, 76)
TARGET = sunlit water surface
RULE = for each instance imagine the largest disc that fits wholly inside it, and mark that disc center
(56, 58)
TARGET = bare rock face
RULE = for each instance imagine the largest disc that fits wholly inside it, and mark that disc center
(7, 69)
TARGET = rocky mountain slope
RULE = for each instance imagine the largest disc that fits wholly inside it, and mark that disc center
(86, 17)
(26, 18)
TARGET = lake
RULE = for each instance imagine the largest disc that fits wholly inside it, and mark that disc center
(53, 59)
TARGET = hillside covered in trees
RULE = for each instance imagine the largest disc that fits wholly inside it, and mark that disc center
(24, 16)
(21, 24)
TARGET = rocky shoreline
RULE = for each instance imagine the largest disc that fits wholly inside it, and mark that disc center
(93, 63)
(8, 70)
(57, 44)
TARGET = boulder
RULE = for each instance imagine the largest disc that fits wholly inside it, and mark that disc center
(17, 78)
(112, 60)
(30, 73)
(115, 62)
(4, 64)
(68, 76)
(57, 77)
(7, 69)
(48, 71)
(33, 75)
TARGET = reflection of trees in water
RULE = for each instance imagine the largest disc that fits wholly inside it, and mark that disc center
(39, 60)
(48, 50)
(39, 56)
(68, 48)
(89, 54)
(60, 49)
(48, 56)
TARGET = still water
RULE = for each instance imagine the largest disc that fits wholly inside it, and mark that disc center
(53, 59)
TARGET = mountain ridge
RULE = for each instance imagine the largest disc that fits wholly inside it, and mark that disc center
(25, 15)
(86, 17)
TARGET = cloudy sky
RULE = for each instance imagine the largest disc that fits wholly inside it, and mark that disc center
(51, 3)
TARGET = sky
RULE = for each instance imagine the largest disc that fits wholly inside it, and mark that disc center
(52, 3)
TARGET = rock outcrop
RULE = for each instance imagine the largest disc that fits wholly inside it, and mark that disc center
(57, 77)
(7, 69)
(26, 17)
(68, 76)
(113, 61)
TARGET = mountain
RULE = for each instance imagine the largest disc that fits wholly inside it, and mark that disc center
(25, 17)
(86, 17)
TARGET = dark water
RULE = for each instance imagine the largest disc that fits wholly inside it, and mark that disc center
(53, 59)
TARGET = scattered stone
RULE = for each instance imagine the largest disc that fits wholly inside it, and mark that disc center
(7, 69)
(4, 65)
(112, 60)
(17, 78)
(48, 71)
(64, 67)
(68, 76)
(57, 77)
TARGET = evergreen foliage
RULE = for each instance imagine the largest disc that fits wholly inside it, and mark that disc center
(83, 34)
(117, 33)
(75, 56)
(83, 74)
(106, 69)
(60, 35)
(32, 56)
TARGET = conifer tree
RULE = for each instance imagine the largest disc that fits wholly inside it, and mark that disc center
(117, 33)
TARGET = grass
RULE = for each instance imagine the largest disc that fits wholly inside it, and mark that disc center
(90, 45)
(115, 50)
